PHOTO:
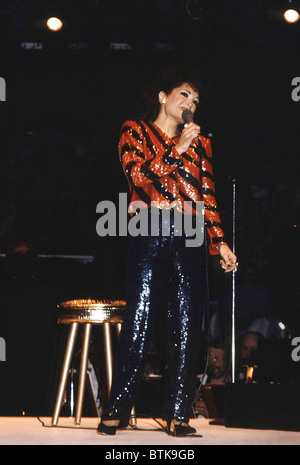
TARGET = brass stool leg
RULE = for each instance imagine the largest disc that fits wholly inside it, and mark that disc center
(118, 327)
(132, 415)
(108, 355)
(65, 372)
(83, 371)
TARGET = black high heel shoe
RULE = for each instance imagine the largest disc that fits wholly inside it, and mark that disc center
(106, 430)
(181, 430)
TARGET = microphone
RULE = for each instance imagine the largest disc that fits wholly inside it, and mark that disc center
(187, 116)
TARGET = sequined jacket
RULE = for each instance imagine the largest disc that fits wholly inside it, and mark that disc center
(157, 173)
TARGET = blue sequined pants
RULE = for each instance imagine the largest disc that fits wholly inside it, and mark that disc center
(159, 265)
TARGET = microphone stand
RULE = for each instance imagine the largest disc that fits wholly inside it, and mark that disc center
(233, 330)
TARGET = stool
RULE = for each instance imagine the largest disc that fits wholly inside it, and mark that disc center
(87, 312)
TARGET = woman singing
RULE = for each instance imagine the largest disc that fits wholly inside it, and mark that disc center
(172, 168)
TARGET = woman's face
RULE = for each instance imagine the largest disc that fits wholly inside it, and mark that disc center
(181, 98)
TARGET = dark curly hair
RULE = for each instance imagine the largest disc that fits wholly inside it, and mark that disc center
(148, 105)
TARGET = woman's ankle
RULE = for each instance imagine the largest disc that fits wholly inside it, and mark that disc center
(111, 422)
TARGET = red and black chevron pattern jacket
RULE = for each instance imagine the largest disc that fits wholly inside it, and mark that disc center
(157, 173)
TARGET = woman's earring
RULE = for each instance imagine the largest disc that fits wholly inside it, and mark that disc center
(162, 98)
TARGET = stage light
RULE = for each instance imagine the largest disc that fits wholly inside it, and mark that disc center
(291, 15)
(54, 24)
(194, 9)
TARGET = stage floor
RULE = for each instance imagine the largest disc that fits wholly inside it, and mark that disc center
(34, 431)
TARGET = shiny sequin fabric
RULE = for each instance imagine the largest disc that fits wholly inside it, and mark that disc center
(156, 172)
(159, 267)
(162, 268)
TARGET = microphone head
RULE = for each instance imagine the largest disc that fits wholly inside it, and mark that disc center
(187, 116)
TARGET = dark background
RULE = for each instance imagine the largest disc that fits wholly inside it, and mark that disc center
(59, 131)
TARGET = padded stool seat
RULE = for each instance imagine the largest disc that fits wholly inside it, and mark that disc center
(87, 312)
